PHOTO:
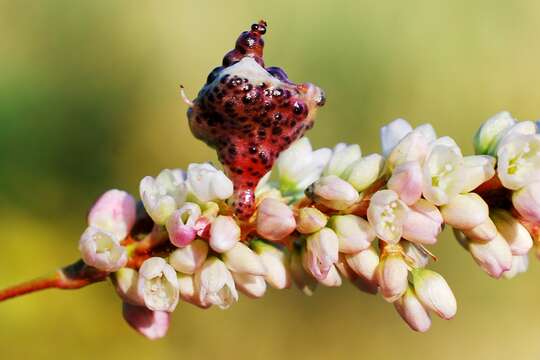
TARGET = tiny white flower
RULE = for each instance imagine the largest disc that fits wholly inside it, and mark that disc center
(159, 285)
(343, 156)
(215, 284)
(181, 224)
(101, 250)
(299, 166)
(208, 183)
(163, 194)
(387, 214)
(519, 161)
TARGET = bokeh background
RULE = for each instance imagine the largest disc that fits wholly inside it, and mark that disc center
(89, 101)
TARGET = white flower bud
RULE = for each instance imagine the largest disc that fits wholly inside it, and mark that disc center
(423, 223)
(299, 166)
(527, 202)
(413, 312)
(392, 134)
(310, 220)
(215, 285)
(364, 264)
(188, 259)
(484, 232)
(490, 131)
(387, 214)
(164, 194)
(158, 284)
(275, 263)
(208, 183)
(126, 285)
(332, 279)
(519, 161)
(251, 285)
(342, 157)
(478, 170)
(413, 147)
(465, 211)
(364, 171)
(275, 220)
(101, 250)
(188, 292)
(494, 257)
(515, 234)
(224, 233)
(322, 250)
(114, 212)
(520, 264)
(241, 259)
(334, 193)
(391, 275)
(434, 293)
(354, 233)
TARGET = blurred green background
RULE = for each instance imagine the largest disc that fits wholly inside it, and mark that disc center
(89, 101)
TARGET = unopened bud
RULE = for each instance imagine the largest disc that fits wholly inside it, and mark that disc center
(275, 220)
(253, 286)
(516, 235)
(520, 263)
(126, 285)
(343, 156)
(208, 183)
(151, 324)
(392, 276)
(188, 259)
(322, 250)
(354, 233)
(310, 220)
(224, 233)
(303, 280)
(484, 232)
(241, 259)
(488, 134)
(423, 223)
(527, 202)
(332, 279)
(114, 212)
(406, 181)
(333, 192)
(465, 211)
(434, 293)
(364, 171)
(413, 312)
(364, 264)
(494, 257)
(275, 263)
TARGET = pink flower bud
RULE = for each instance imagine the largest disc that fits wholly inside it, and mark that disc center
(392, 276)
(434, 293)
(413, 312)
(253, 286)
(364, 264)
(151, 324)
(241, 259)
(520, 263)
(113, 212)
(333, 192)
(494, 257)
(423, 223)
(126, 285)
(310, 220)
(224, 234)
(516, 235)
(215, 285)
(101, 250)
(484, 232)
(188, 259)
(354, 233)
(275, 220)
(406, 181)
(181, 224)
(332, 279)
(322, 252)
(465, 211)
(158, 284)
(275, 263)
(303, 280)
(527, 202)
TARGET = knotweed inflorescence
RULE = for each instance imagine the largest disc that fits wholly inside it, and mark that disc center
(282, 213)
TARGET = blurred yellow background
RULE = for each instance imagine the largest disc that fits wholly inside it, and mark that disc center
(89, 101)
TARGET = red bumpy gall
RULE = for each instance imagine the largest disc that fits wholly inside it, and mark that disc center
(250, 114)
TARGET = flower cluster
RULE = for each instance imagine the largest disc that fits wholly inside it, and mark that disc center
(323, 216)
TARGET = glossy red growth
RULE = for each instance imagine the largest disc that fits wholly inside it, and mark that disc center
(250, 114)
